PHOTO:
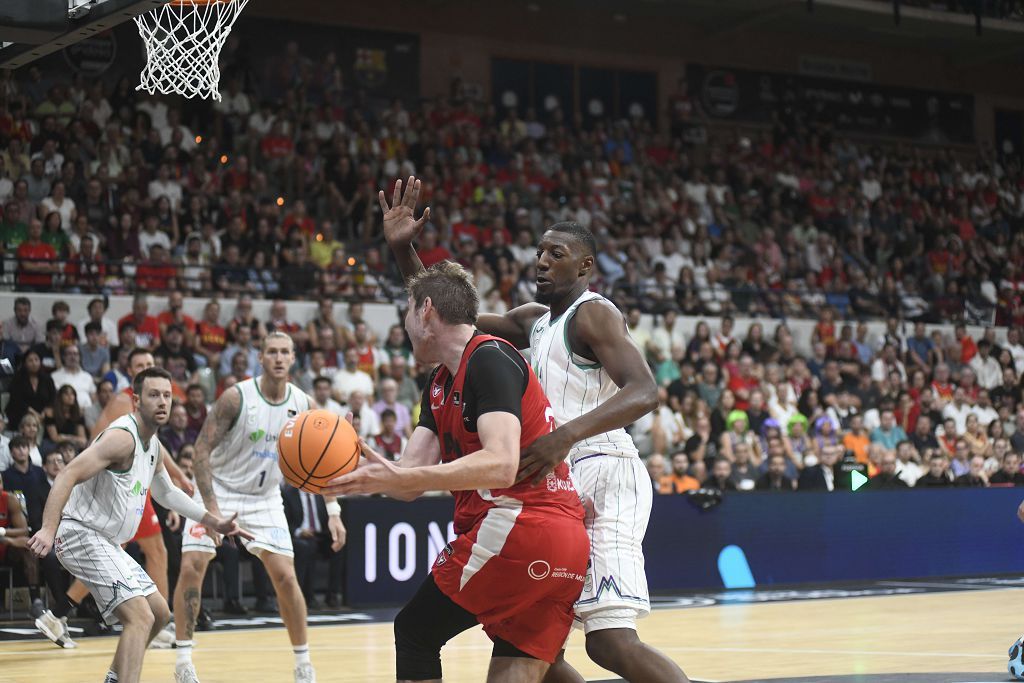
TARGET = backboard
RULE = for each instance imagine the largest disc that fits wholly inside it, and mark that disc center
(30, 29)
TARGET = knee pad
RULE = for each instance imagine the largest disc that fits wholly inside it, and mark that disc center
(417, 656)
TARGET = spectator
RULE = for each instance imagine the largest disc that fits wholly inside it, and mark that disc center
(887, 477)
(679, 480)
(104, 392)
(307, 519)
(147, 329)
(195, 407)
(351, 378)
(177, 433)
(744, 472)
(888, 434)
(322, 396)
(389, 401)
(1009, 475)
(211, 337)
(656, 469)
(390, 443)
(97, 309)
(775, 479)
(937, 475)
(721, 476)
(907, 463)
(36, 261)
(923, 436)
(64, 421)
(976, 476)
(369, 420)
(31, 390)
(989, 373)
(26, 480)
(960, 463)
(95, 356)
(243, 344)
(821, 477)
(71, 373)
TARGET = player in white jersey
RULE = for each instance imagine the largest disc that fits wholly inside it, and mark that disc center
(236, 469)
(597, 382)
(96, 504)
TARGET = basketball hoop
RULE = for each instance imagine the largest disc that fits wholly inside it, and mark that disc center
(183, 42)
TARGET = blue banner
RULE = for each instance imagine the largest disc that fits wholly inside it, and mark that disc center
(751, 539)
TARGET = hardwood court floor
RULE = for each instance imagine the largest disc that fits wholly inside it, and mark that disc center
(953, 631)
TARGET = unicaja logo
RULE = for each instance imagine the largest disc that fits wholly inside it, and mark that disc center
(538, 570)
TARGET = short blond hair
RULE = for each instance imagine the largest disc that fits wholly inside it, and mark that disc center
(276, 334)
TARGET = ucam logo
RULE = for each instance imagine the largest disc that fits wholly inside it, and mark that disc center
(257, 435)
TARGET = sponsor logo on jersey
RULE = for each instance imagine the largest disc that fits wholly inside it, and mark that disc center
(197, 531)
(292, 413)
(457, 398)
(556, 484)
(539, 570)
(138, 489)
(436, 391)
(257, 435)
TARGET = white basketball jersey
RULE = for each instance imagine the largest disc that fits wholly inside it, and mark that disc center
(246, 460)
(575, 385)
(112, 502)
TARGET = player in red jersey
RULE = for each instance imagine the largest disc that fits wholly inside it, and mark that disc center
(518, 562)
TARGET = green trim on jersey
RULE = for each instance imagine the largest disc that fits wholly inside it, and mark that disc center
(135, 439)
(287, 396)
(138, 433)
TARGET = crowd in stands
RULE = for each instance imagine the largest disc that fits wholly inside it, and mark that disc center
(272, 194)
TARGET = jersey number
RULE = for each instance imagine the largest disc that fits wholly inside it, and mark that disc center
(263, 475)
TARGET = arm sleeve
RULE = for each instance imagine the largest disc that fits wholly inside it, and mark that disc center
(496, 379)
(173, 498)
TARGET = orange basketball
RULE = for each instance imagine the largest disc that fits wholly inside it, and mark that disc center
(315, 447)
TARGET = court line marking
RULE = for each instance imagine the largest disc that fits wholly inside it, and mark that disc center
(974, 587)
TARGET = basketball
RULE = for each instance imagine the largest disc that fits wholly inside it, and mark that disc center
(315, 447)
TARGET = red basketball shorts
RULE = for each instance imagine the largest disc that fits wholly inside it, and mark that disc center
(519, 570)
(149, 525)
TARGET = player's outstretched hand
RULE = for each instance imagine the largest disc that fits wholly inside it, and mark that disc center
(400, 224)
(376, 474)
(41, 542)
(541, 457)
(226, 527)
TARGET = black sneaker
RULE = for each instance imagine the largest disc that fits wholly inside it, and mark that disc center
(204, 622)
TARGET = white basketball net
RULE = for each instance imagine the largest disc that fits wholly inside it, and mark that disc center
(183, 42)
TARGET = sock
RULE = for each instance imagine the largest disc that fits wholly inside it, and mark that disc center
(63, 608)
(184, 648)
(301, 654)
(111, 677)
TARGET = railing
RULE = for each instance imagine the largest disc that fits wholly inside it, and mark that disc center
(128, 277)
(357, 284)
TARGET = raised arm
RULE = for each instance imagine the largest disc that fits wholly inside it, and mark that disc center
(492, 467)
(598, 331)
(221, 418)
(113, 448)
(401, 226)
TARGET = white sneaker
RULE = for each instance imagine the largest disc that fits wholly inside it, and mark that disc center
(164, 640)
(55, 629)
(185, 673)
(304, 674)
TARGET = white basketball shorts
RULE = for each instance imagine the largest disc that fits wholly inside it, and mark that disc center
(261, 515)
(110, 574)
(616, 494)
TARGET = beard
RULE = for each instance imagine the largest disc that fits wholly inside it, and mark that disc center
(543, 297)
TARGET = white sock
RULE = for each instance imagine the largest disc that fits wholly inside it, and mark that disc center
(111, 677)
(184, 651)
(301, 654)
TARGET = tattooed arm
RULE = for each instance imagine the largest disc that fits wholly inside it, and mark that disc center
(221, 418)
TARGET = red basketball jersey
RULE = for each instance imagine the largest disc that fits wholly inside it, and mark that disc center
(556, 493)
